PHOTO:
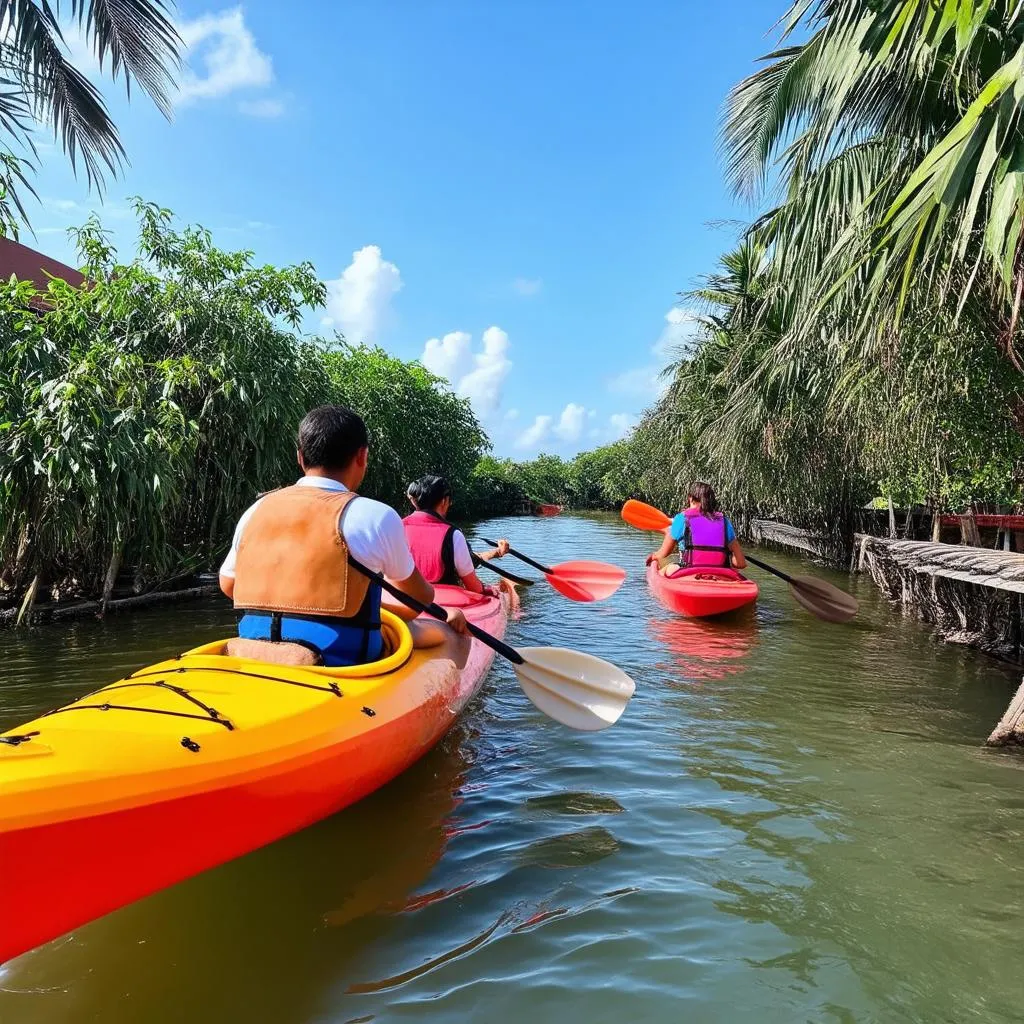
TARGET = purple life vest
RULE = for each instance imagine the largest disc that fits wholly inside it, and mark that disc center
(705, 540)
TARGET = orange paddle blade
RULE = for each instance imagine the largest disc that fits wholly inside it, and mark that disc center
(644, 516)
(586, 581)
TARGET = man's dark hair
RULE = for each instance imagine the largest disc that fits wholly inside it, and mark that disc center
(330, 436)
(428, 492)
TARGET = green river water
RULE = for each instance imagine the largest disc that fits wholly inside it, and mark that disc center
(792, 822)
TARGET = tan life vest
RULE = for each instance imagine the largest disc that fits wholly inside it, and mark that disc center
(292, 556)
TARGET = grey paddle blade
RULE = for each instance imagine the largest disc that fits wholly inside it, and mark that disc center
(823, 599)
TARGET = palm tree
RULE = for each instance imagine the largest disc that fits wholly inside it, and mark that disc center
(39, 85)
(849, 337)
(896, 127)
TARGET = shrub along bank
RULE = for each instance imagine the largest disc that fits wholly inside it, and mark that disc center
(140, 415)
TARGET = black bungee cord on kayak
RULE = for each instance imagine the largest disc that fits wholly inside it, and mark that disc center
(212, 714)
(331, 687)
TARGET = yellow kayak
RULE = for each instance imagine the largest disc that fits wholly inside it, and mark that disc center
(190, 762)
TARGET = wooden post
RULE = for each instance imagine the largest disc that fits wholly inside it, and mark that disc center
(936, 527)
(892, 519)
(111, 578)
(969, 530)
(908, 524)
(1009, 729)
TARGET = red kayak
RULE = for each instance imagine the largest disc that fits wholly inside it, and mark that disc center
(549, 510)
(702, 591)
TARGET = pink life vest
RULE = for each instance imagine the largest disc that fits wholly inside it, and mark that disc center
(432, 543)
(705, 533)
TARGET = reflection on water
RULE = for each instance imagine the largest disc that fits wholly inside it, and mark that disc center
(792, 822)
(705, 649)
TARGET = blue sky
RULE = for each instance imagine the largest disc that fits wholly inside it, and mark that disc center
(512, 191)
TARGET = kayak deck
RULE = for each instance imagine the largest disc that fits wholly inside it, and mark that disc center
(196, 760)
(702, 591)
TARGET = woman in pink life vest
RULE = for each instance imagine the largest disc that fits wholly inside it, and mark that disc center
(702, 534)
(440, 550)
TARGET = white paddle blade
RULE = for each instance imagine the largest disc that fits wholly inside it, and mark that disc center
(578, 690)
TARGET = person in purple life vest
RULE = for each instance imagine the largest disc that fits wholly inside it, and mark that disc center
(440, 550)
(702, 534)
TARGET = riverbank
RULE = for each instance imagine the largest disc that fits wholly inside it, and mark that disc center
(969, 596)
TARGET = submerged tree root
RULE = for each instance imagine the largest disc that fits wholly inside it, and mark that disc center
(83, 609)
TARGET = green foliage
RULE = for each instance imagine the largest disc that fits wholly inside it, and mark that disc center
(416, 424)
(861, 335)
(592, 480)
(491, 490)
(140, 415)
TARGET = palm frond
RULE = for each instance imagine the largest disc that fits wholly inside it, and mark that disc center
(139, 39)
(57, 93)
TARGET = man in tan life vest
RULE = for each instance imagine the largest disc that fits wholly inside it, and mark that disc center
(288, 568)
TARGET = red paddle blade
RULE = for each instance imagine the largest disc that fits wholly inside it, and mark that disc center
(586, 581)
(644, 516)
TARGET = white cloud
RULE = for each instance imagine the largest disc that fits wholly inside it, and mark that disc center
(677, 334)
(359, 302)
(220, 56)
(512, 414)
(483, 385)
(646, 381)
(535, 434)
(227, 55)
(478, 376)
(265, 108)
(448, 357)
(570, 423)
(527, 286)
(620, 424)
(63, 205)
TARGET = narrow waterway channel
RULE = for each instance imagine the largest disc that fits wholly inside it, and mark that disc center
(792, 822)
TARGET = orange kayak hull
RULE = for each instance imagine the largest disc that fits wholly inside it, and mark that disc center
(102, 807)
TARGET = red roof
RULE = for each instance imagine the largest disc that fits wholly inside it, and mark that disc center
(28, 265)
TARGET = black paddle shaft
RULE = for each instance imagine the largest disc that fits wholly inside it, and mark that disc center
(435, 610)
(523, 558)
(768, 568)
(483, 563)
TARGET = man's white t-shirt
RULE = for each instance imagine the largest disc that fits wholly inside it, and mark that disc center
(372, 530)
(463, 556)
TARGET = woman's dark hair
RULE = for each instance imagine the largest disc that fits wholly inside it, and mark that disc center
(428, 492)
(704, 495)
(330, 437)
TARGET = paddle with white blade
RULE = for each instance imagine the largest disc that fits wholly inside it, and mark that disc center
(821, 599)
(577, 690)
